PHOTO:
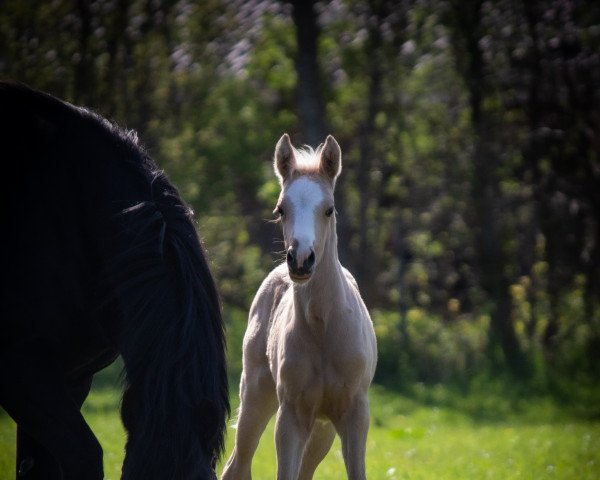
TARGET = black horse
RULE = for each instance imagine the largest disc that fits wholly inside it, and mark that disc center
(100, 257)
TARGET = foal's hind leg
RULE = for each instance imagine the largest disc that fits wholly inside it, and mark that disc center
(319, 443)
(257, 406)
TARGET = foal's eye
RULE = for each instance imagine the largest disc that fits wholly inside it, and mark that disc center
(278, 211)
(329, 211)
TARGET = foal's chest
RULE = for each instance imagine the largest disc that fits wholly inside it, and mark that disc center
(319, 363)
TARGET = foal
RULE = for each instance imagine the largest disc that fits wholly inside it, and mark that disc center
(309, 349)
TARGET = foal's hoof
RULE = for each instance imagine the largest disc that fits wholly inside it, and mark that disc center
(26, 465)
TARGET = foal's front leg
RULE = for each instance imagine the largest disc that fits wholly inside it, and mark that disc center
(353, 429)
(292, 430)
(257, 405)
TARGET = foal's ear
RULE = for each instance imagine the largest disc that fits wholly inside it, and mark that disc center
(331, 159)
(285, 161)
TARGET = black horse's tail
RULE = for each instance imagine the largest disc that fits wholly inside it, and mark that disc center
(176, 402)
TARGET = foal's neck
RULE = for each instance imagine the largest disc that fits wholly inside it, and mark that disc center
(326, 288)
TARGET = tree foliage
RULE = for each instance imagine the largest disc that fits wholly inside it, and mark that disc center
(469, 206)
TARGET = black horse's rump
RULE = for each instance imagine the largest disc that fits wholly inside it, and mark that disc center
(100, 257)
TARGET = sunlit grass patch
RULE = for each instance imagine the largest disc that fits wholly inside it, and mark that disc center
(408, 439)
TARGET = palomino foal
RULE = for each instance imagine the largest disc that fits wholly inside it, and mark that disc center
(309, 349)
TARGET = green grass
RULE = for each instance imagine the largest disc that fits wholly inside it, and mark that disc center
(408, 439)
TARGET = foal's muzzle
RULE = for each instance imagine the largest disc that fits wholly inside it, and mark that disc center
(300, 268)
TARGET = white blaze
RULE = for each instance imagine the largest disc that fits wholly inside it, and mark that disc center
(304, 195)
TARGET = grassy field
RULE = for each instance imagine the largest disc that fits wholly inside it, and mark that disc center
(408, 439)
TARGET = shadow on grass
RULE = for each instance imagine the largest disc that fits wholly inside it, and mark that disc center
(110, 377)
(107, 388)
(501, 400)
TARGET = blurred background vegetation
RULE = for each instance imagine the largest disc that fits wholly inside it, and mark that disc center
(469, 204)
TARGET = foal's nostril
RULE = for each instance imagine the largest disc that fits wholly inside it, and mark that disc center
(310, 261)
(291, 258)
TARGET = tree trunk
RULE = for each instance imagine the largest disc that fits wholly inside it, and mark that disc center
(84, 75)
(311, 109)
(364, 268)
(466, 25)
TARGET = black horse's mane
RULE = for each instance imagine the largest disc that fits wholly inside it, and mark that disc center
(154, 276)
